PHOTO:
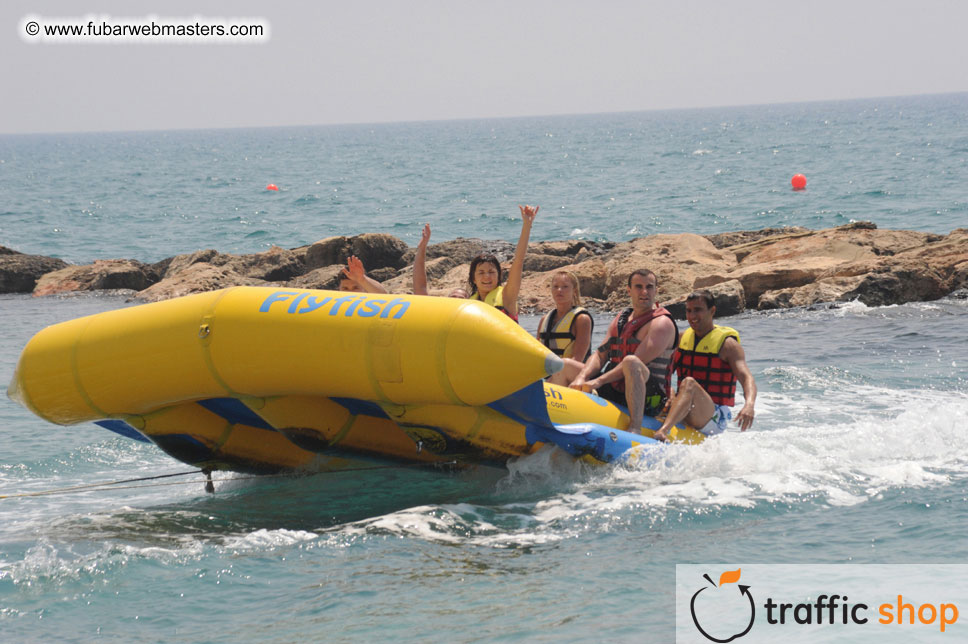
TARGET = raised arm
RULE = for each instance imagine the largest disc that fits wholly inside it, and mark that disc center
(355, 272)
(513, 285)
(420, 263)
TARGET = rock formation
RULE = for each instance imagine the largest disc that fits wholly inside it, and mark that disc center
(765, 269)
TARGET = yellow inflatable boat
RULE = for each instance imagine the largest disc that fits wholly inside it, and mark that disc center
(258, 379)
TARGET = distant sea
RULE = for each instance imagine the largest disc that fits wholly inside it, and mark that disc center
(857, 454)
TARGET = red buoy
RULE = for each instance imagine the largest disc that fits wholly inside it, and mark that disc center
(273, 186)
(799, 182)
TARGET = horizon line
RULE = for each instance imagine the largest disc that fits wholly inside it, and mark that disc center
(478, 118)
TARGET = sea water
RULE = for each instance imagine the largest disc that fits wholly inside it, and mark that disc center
(856, 456)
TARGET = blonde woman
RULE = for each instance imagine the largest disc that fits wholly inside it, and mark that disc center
(567, 329)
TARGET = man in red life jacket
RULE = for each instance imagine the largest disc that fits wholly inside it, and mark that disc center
(708, 362)
(632, 367)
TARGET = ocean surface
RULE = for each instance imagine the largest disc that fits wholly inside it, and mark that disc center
(857, 454)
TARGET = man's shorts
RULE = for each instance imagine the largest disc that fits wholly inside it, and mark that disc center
(611, 394)
(653, 404)
(717, 424)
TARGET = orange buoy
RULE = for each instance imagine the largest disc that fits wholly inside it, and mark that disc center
(273, 186)
(799, 182)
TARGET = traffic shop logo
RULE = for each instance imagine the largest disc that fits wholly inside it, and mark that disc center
(729, 596)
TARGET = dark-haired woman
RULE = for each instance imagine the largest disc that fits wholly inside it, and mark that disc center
(484, 277)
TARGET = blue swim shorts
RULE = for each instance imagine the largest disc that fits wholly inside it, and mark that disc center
(717, 424)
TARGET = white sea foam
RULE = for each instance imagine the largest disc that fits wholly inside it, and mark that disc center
(46, 564)
(261, 540)
(833, 464)
(425, 522)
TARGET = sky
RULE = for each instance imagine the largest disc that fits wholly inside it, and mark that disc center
(328, 62)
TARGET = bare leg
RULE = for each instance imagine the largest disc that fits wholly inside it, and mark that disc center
(691, 404)
(568, 374)
(636, 375)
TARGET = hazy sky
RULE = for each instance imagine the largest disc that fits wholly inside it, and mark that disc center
(348, 62)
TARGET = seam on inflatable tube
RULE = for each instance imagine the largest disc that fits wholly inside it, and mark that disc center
(206, 342)
(76, 374)
(440, 356)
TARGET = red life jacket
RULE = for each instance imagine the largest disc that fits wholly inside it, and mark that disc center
(622, 342)
(700, 360)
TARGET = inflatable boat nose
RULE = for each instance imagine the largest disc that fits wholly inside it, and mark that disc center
(553, 364)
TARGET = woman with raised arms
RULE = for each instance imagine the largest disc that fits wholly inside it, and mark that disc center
(484, 277)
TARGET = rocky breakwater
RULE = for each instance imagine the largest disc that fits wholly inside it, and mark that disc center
(19, 272)
(765, 269)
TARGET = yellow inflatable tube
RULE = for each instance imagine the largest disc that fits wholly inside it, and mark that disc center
(255, 342)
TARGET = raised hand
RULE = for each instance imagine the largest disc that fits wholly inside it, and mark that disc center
(528, 212)
(354, 270)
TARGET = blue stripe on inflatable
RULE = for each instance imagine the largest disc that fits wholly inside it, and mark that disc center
(605, 444)
(526, 406)
(235, 412)
(359, 407)
(123, 428)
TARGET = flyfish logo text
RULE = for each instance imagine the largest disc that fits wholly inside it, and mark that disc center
(356, 305)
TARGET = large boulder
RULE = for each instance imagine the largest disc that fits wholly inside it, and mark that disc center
(19, 272)
(535, 295)
(898, 287)
(402, 282)
(592, 277)
(569, 248)
(274, 265)
(796, 259)
(924, 268)
(454, 278)
(724, 240)
(829, 289)
(196, 278)
(758, 278)
(103, 274)
(375, 250)
(464, 250)
(848, 243)
(540, 263)
(677, 260)
(326, 277)
(729, 298)
(173, 265)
